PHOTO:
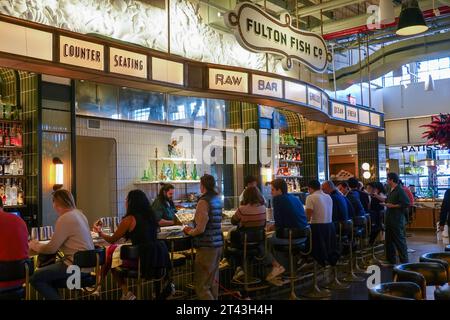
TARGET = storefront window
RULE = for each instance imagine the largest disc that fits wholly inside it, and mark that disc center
(141, 105)
(216, 113)
(187, 110)
(96, 100)
(425, 170)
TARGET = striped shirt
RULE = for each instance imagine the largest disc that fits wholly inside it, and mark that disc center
(250, 216)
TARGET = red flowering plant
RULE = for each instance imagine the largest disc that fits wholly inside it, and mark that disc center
(438, 130)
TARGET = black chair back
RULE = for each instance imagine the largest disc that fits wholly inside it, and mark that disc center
(438, 257)
(430, 273)
(254, 236)
(396, 291)
(15, 270)
(88, 258)
(359, 221)
(296, 233)
(128, 252)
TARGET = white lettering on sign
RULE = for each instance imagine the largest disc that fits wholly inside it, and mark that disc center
(81, 53)
(127, 63)
(295, 91)
(226, 80)
(314, 98)
(352, 114)
(364, 116)
(338, 110)
(258, 31)
(266, 86)
(375, 119)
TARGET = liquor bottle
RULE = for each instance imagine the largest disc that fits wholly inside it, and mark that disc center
(150, 172)
(20, 195)
(2, 192)
(2, 139)
(14, 194)
(13, 167)
(20, 165)
(194, 173)
(8, 193)
(7, 138)
(174, 172)
(19, 136)
(269, 215)
(6, 169)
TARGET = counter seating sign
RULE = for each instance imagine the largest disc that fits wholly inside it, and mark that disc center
(258, 31)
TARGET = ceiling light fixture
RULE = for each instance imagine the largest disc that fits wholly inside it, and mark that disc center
(411, 20)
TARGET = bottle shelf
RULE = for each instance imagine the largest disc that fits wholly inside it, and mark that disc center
(6, 121)
(8, 176)
(11, 148)
(140, 182)
(173, 159)
(287, 177)
(291, 161)
(287, 146)
(15, 207)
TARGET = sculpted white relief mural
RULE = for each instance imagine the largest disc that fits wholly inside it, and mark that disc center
(143, 24)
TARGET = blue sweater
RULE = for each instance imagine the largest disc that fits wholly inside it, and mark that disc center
(288, 212)
(340, 208)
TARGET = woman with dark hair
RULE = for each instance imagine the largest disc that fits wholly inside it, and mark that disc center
(138, 225)
(163, 206)
(377, 196)
(208, 240)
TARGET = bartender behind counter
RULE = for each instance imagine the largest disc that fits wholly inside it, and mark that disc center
(163, 206)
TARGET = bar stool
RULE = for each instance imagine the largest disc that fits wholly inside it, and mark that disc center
(439, 257)
(350, 230)
(298, 239)
(360, 226)
(423, 274)
(246, 243)
(396, 291)
(90, 259)
(335, 284)
(180, 244)
(15, 271)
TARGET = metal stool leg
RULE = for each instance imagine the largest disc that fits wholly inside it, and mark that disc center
(315, 292)
(352, 277)
(335, 284)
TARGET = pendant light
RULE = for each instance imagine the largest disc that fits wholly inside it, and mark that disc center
(411, 20)
(429, 85)
(386, 14)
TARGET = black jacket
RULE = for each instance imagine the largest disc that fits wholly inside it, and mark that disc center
(445, 209)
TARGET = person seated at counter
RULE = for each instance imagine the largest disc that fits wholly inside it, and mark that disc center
(319, 210)
(288, 212)
(353, 198)
(13, 243)
(249, 181)
(355, 186)
(251, 214)
(445, 211)
(376, 210)
(163, 206)
(72, 234)
(340, 204)
(208, 240)
(140, 227)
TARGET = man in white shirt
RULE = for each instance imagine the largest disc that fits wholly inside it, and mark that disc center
(319, 205)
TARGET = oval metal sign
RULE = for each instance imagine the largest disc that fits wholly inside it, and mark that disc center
(258, 31)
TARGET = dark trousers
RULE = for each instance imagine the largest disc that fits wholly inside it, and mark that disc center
(395, 239)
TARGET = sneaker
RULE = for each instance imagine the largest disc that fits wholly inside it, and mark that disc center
(224, 263)
(238, 274)
(277, 281)
(128, 296)
(276, 271)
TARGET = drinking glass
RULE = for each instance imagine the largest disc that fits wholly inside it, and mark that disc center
(34, 234)
(49, 230)
(42, 233)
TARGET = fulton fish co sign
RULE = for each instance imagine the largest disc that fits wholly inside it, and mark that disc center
(258, 31)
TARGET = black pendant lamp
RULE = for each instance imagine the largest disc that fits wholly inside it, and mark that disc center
(411, 20)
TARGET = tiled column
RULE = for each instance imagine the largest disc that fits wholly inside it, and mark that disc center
(371, 150)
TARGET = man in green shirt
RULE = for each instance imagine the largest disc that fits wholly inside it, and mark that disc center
(163, 206)
(397, 203)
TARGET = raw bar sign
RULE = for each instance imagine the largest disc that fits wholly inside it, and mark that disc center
(258, 31)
